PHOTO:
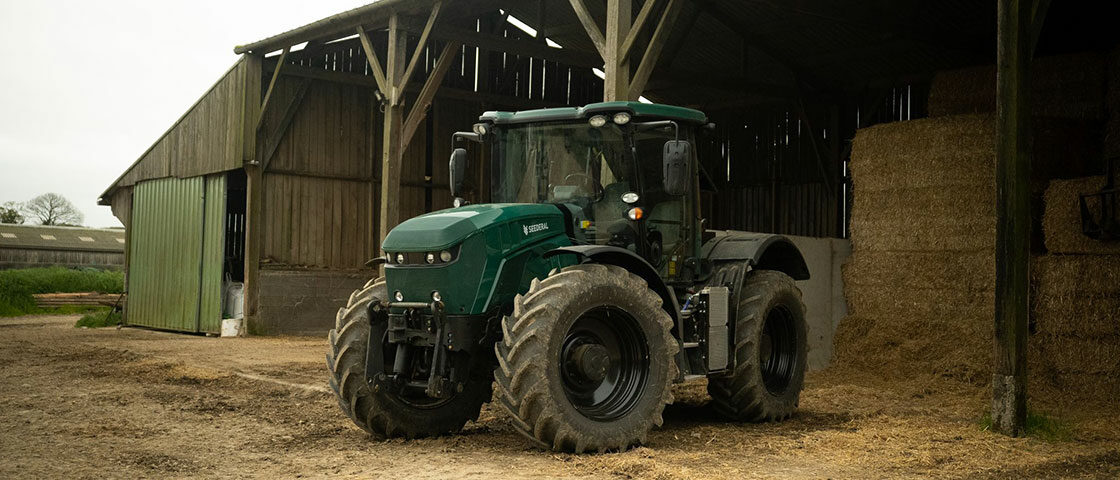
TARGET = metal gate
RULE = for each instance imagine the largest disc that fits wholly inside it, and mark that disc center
(176, 252)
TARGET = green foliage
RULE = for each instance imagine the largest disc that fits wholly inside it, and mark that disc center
(10, 213)
(1039, 425)
(98, 319)
(17, 286)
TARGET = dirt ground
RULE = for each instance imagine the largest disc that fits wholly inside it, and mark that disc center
(80, 403)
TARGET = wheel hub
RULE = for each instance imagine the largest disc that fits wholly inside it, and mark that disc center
(591, 361)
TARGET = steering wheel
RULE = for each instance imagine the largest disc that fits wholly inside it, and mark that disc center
(597, 190)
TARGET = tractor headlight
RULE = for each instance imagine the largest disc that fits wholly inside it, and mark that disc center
(445, 256)
(399, 296)
(431, 258)
(388, 257)
(436, 296)
(598, 121)
(400, 258)
(480, 128)
(622, 118)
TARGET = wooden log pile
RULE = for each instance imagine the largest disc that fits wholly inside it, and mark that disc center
(77, 299)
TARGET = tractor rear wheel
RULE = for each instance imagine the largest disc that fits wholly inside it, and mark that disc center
(586, 360)
(770, 348)
(384, 413)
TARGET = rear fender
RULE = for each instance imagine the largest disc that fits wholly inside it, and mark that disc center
(762, 251)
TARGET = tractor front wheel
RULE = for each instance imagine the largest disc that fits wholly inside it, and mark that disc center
(385, 413)
(586, 360)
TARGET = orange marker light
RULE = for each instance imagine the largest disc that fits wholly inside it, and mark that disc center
(635, 213)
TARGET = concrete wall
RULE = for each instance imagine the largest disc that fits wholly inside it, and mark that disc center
(823, 293)
(303, 302)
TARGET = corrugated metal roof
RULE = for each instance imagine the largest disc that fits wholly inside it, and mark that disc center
(62, 238)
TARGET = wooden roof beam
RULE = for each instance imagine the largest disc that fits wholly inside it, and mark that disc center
(639, 24)
(592, 28)
(374, 63)
(486, 41)
(271, 87)
(428, 93)
(653, 51)
(419, 52)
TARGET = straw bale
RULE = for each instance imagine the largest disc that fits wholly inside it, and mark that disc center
(1068, 86)
(918, 233)
(1076, 276)
(1061, 220)
(968, 271)
(956, 151)
(951, 305)
(1090, 316)
(1074, 354)
(936, 202)
(903, 347)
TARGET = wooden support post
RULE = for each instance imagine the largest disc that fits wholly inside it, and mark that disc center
(616, 84)
(251, 92)
(592, 28)
(1013, 216)
(391, 146)
(653, 51)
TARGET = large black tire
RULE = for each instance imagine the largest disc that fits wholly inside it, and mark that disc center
(535, 383)
(385, 414)
(765, 385)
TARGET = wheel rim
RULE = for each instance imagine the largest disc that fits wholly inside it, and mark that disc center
(604, 363)
(777, 354)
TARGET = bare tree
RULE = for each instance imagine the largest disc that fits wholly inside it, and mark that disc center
(54, 209)
(9, 212)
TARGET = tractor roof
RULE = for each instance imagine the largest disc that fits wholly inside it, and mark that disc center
(644, 111)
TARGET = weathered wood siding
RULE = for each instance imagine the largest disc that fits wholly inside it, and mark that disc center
(205, 140)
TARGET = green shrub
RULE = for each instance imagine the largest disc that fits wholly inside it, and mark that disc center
(98, 319)
(17, 286)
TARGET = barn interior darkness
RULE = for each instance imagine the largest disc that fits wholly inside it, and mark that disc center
(786, 83)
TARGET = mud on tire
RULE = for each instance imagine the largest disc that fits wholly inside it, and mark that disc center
(546, 401)
(384, 414)
(769, 349)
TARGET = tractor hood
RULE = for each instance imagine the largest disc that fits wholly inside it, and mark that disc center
(447, 228)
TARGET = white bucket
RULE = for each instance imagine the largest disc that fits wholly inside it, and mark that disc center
(233, 327)
(234, 300)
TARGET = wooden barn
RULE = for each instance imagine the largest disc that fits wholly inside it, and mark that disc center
(27, 246)
(290, 169)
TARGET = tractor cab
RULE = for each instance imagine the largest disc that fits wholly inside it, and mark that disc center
(620, 171)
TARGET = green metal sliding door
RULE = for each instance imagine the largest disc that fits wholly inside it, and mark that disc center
(176, 253)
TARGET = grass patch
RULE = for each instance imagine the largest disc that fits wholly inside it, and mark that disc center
(99, 319)
(1039, 425)
(17, 286)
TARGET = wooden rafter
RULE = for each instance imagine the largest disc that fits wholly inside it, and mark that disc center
(374, 63)
(419, 52)
(277, 134)
(592, 28)
(639, 24)
(271, 86)
(653, 51)
(431, 86)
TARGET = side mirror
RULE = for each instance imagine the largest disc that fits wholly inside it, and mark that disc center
(458, 170)
(675, 166)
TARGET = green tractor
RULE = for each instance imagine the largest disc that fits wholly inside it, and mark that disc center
(582, 293)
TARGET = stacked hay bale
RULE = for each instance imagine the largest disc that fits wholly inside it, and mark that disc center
(920, 282)
(921, 278)
(1076, 298)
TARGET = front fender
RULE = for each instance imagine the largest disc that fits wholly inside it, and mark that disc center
(632, 263)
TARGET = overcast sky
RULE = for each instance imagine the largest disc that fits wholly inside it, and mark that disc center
(87, 86)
